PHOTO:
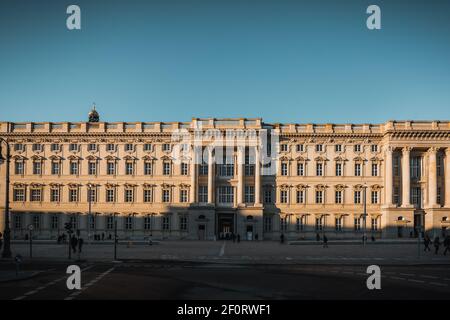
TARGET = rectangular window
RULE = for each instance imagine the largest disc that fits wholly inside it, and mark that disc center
(111, 168)
(110, 195)
(396, 166)
(357, 197)
(374, 148)
(19, 167)
(129, 223)
(92, 147)
(55, 168)
(36, 195)
(284, 147)
(92, 195)
(338, 169)
(357, 169)
(129, 195)
(283, 224)
(374, 169)
(166, 168)
(110, 147)
(415, 167)
(129, 147)
(37, 147)
(416, 196)
(319, 196)
(54, 147)
(92, 168)
(148, 222)
(300, 169)
(148, 168)
(357, 224)
(91, 222)
(17, 222)
(284, 169)
(226, 194)
(300, 196)
(183, 195)
(374, 224)
(357, 148)
(203, 194)
(166, 147)
(267, 224)
(73, 147)
(166, 195)
(73, 195)
(109, 222)
(338, 223)
(203, 169)
(54, 195)
(36, 222)
(148, 147)
(319, 169)
(74, 168)
(299, 148)
(283, 196)
(338, 196)
(129, 168)
(299, 224)
(19, 195)
(183, 223)
(184, 169)
(74, 222)
(249, 194)
(37, 167)
(148, 195)
(338, 148)
(396, 195)
(267, 195)
(19, 147)
(319, 225)
(319, 147)
(166, 223)
(374, 197)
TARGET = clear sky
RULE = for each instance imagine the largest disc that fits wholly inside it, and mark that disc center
(171, 60)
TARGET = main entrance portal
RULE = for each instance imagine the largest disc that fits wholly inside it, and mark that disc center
(225, 225)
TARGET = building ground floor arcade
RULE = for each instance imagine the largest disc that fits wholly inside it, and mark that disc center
(209, 223)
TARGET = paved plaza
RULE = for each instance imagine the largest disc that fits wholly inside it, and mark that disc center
(243, 252)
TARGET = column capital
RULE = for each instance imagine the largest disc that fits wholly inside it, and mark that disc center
(447, 152)
(389, 149)
(406, 149)
(433, 149)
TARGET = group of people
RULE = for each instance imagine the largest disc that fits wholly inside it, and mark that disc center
(436, 243)
(76, 242)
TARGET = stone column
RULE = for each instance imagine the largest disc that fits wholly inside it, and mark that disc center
(389, 176)
(447, 178)
(210, 176)
(193, 190)
(406, 186)
(240, 164)
(257, 177)
(432, 177)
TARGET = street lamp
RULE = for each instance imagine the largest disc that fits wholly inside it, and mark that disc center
(7, 232)
(89, 185)
(324, 216)
(364, 214)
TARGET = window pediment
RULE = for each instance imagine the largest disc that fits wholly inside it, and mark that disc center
(339, 187)
(320, 159)
(320, 187)
(301, 186)
(340, 159)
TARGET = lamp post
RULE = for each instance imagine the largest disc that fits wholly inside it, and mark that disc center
(89, 185)
(364, 214)
(324, 216)
(7, 232)
(115, 237)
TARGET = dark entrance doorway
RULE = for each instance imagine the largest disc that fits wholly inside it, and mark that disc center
(249, 232)
(225, 225)
(201, 232)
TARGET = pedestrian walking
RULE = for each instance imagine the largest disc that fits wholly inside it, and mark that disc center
(446, 245)
(73, 243)
(325, 241)
(282, 238)
(436, 244)
(80, 244)
(317, 237)
(238, 238)
(233, 236)
(426, 243)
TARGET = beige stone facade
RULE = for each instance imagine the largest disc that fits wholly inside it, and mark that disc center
(313, 184)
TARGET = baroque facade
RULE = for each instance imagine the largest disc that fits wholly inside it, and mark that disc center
(318, 179)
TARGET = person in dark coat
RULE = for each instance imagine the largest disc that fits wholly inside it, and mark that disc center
(317, 237)
(436, 244)
(80, 244)
(73, 243)
(325, 241)
(238, 238)
(282, 238)
(426, 243)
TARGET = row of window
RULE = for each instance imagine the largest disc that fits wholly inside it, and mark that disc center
(129, 222)
(320, 169)
(284, 147)
(92, 147)
(301, 223)
(320, 196)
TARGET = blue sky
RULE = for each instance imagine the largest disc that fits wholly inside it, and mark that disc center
(171, 60)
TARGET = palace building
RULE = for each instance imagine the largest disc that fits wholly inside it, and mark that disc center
(319, 179)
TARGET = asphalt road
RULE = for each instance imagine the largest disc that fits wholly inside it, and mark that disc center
(188, 280)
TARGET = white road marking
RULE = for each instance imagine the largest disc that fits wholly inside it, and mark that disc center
(407, 274)
(397, 278)
(29, 293)
(429, 277)
(76, 293)
(418, 281)
(439, 284)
